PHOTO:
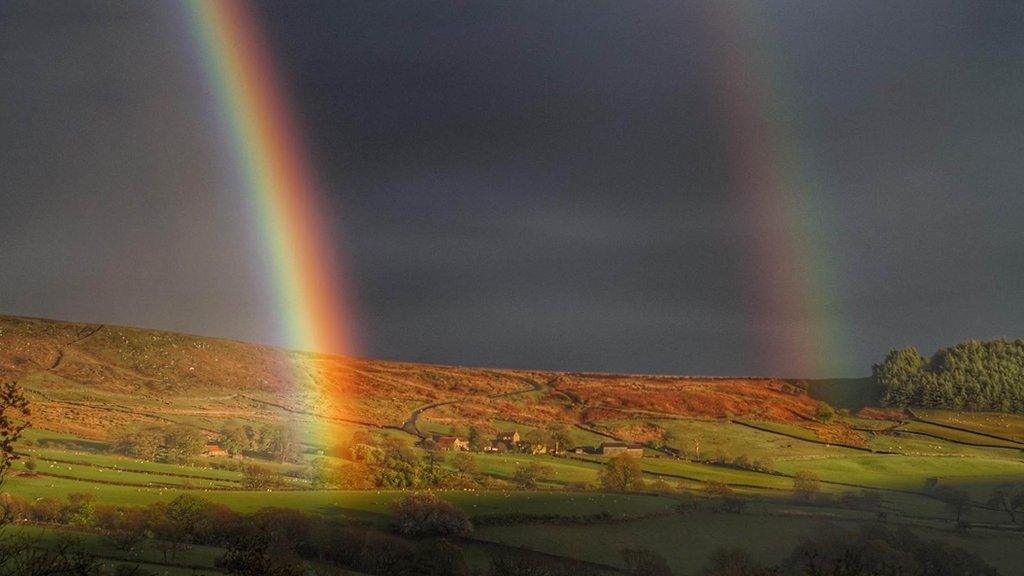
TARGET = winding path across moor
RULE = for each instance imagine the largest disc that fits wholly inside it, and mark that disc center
(410, 424)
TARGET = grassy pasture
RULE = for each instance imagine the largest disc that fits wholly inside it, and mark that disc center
(564, 471)
(960, 436)
(1010, 426)
(98, 474)
(720, 438)
(363, 504)
(687, 541)
(909, 472)
(125, 464)
(190, 560)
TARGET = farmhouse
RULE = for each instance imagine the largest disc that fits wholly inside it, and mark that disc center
(509, 437)
(615, 448)
(212, 449)
(452, 444)
(500, 446)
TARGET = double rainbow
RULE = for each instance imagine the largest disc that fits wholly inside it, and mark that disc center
(797, 310)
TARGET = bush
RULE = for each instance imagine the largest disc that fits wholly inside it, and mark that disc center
(824, 413)
(622, 472)
(256, 477)
(424, 514)
(46, 510)
(806, 484)
(729, 501)
(643, 562)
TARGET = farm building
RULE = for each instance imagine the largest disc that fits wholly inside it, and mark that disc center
(615, 448)
(452, 444)
(509, 437)
(500, 446)
(212, 449)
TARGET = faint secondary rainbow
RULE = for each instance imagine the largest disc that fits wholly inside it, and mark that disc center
(797, 304)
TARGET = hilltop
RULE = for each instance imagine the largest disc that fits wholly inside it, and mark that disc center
(89, 378)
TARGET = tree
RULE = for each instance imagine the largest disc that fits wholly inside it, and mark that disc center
(256, 477)
(321, 473)
(439, 557)
(957, 501)
(127, 540)
(13, 411)
(177, 522)
(643, 562)
(80, 509)
(1008, 498)
(476, 439)
(561, 438)
(425, 514)
(878, 550)
(806, 484)
(181, 443)
(281, 444)
(622, 472)
(145, 443)
(256, 553)
(971, 375)
(466, 463)
(526, 476)
(537, 437)
(824, 413)
(728, 499)
(735, 562)
(234, 440)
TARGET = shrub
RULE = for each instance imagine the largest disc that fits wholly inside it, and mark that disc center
(806, 484)
(46, 510)
(425, 514)
(824, 413)
(622, 472)
(256, 477)
(643, 562)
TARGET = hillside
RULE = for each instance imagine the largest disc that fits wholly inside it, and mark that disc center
(712, 445)
(90, 378)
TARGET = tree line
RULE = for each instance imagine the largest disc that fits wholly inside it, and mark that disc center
(973, 375)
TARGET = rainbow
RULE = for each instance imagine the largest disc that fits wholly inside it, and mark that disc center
(278, 179)
(796, 305)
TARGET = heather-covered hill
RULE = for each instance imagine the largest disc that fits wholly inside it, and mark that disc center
(89, 378)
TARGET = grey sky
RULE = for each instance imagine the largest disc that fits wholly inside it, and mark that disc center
(530, 184)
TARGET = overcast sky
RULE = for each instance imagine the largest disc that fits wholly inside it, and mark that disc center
(531, 184)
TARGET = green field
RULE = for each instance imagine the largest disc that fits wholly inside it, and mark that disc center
(687, 541)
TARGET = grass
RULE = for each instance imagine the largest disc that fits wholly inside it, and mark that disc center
(719, 438)
(688, 541)
(959, 436)
(147, 556)
(99, 474)
(361, 505)
(563, 471)
(122, 463)
(1009, 426)
(909, 472)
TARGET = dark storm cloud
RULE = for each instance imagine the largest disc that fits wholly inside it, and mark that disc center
(526, 184)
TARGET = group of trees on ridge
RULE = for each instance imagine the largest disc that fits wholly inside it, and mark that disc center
(973, 375)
